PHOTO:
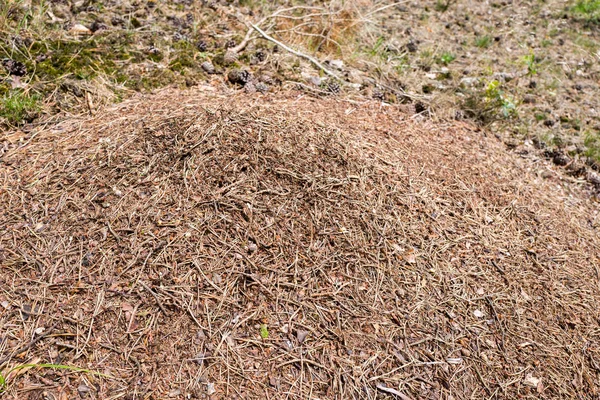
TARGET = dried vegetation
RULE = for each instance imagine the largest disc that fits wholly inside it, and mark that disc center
(202, 244)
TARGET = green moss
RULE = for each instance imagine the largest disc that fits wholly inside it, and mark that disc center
(18, 107)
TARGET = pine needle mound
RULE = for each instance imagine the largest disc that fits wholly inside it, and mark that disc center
(199, 244)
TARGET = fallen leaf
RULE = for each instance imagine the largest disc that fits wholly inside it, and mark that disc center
(532, 381)
(210, 388)
(301, 336)
(79, 29)
(410, 256)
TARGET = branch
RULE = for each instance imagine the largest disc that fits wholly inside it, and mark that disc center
(295, 52)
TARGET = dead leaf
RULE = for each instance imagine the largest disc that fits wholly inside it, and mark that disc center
(16, 83)
(410, 256)
(80, 30)
(301, 336)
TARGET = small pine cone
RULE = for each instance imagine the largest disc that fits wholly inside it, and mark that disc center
(333, 87)
(378, 94)
(239, 77)
(15, 68)
(202, 46)
(261, 87)
(230, 57)
(230, 43)
(261, 55)
(208, 67)
(250, 88)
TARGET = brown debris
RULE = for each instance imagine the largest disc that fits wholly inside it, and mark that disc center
(387, 256)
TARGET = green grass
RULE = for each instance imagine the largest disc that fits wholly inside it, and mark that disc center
(483, 42)
(531, 63)
(592, 144)
(18, 107)
(446, 58)
(587, 9)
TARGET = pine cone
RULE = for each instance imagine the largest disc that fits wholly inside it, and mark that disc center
(333, 87)
(15, 68)
(208, 67)
(239, 77)
(230, 57)
(202, 46)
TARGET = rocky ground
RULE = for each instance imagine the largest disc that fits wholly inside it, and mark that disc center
(528, 70)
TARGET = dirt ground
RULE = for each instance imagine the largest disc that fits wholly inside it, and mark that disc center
(216, 244)
(526, 69)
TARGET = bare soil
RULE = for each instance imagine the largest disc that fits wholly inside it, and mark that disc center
(215, 244)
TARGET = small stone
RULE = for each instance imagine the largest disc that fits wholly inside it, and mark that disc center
(338, 64)
(83, 389)
(315, 80)
(210, 389)
(478, 313)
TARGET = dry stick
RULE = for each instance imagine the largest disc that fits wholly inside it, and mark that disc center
(295, 52)
(160, 305)
(392, 391)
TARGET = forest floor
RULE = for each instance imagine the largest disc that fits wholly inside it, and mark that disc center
(405, 208)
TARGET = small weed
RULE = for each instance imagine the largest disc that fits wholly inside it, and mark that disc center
(446, 58)
(443, 5)
(531, 63)
(483, 42)
(378, 49)
(490, 104)
(592, 144)
(18, 107)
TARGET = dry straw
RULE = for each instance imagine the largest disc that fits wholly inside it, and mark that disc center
(198, 243)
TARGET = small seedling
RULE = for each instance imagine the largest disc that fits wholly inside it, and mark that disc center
(483, 42)
(531, 63)
(446, 58)
(264, 332)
